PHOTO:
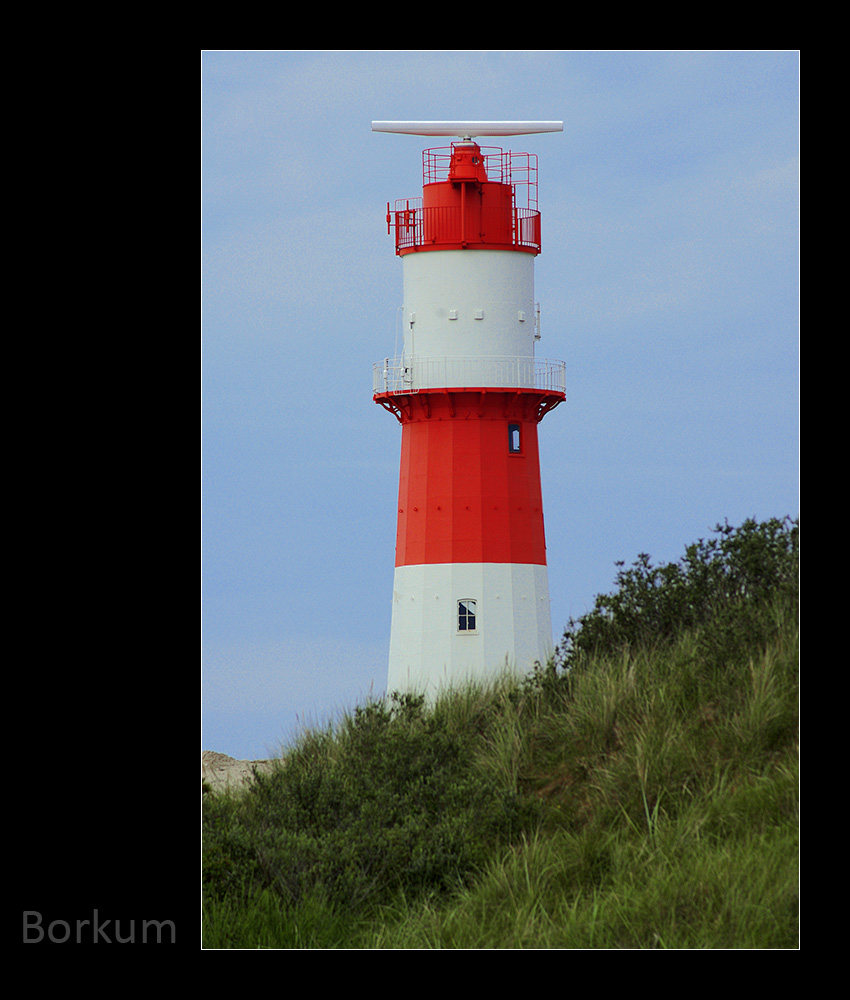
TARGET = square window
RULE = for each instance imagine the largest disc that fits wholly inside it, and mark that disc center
(466, 616)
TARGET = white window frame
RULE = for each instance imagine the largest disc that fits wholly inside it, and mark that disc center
(466, 612)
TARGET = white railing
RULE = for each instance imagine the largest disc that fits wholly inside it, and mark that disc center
(407, 375)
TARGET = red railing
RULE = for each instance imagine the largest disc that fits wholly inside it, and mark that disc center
(419, 228)
(502, 167)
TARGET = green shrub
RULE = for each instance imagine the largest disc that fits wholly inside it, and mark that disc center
(741, 583)
(393, 800)
(229, 865)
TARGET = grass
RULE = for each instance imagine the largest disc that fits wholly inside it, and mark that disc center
(645, 798)
(650, 808)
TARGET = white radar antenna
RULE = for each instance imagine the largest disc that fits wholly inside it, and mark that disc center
(467, 130)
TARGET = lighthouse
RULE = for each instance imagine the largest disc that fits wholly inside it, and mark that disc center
(470, 588)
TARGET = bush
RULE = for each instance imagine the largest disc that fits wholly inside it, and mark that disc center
(646, 796)
(741, 583)
(393, 800)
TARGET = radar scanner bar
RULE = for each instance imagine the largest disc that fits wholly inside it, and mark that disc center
(467, 130)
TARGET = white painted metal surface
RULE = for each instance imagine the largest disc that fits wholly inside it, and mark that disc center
(468, 129)
(461, 304)
(513, 623)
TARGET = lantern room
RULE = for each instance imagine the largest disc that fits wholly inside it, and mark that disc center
(472, 196)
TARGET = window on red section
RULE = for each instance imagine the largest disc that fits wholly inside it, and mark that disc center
(514, 439)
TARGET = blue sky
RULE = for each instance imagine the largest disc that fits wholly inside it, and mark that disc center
(668, 283)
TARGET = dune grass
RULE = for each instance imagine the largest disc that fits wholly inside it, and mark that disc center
(643, 796)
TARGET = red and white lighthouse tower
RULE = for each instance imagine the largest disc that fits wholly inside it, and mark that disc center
(471, 591)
